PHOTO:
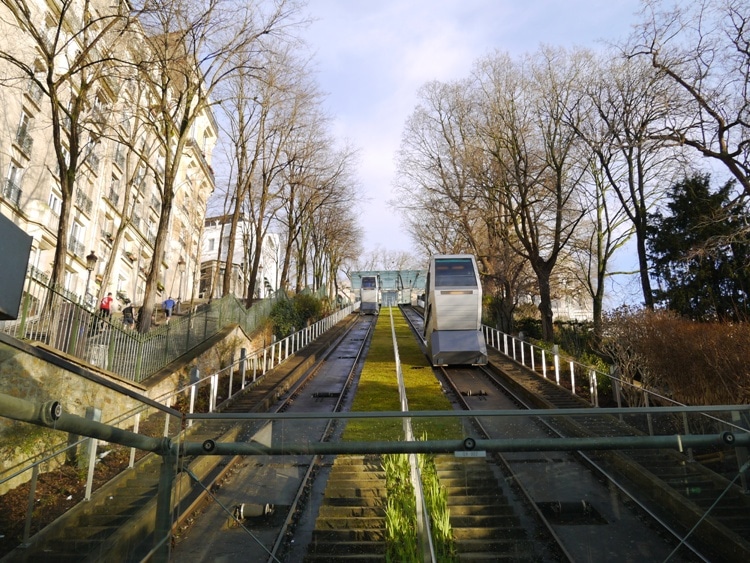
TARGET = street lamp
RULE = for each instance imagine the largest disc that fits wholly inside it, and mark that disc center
(91, 260)
(181, 269)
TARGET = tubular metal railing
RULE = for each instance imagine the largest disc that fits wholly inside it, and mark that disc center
(583, 380)
(249, 368)
(63, 322)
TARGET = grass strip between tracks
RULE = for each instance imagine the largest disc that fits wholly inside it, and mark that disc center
(378, 390)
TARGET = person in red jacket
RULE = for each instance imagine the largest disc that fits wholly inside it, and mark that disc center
(105, 307)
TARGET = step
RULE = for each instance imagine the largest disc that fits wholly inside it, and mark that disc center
(329, 523)
(349, 535)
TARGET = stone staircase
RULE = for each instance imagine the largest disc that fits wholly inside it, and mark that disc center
(351, 521)
(485, 526)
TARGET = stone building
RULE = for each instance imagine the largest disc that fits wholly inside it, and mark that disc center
(116, 196)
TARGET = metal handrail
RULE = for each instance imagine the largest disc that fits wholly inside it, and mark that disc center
(63, 321)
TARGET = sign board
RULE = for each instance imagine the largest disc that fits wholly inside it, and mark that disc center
(15, 247)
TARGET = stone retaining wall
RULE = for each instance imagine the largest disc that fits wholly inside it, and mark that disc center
(34, 374)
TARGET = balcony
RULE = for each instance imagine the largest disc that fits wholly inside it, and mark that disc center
(12, 193)
(24, 141)
(113, 197)
(76, 247)
(83, 202)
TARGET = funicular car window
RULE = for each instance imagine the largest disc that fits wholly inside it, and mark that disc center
(454, 272)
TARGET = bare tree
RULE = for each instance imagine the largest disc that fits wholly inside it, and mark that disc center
(434, 172)
(66, 53)
(621, 102)
(703, 49)
(447, 180)
(125, 132)
(319, 177)
(194, 46)
(606, 229)
(538, 159)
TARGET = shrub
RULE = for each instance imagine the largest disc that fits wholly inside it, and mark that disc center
(288, 315)
(696, 363)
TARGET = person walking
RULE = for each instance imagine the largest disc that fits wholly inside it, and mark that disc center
(128, 317)
(105, 307)
(168, 306)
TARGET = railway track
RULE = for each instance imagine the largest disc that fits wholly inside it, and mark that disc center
(664, 487)
(275, 489)
(540, 506)
(118, 523)
(684, 496)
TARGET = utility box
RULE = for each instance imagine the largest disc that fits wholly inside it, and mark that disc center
(15, 247)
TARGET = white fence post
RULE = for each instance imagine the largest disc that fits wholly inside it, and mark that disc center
(556, 352)
(231, 375)
(572, 378)
(136, 424)
(243, 365)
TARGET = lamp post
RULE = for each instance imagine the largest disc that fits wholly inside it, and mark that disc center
(91, 261)
(181, 269)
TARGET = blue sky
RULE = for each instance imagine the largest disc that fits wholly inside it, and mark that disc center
(372, 56)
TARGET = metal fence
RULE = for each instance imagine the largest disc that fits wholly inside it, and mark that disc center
(63, 322)
(249, 369)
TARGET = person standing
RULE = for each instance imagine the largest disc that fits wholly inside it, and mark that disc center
(168, 306)
(105, 307)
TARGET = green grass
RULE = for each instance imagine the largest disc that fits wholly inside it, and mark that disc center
(378, 387)
(378, 390)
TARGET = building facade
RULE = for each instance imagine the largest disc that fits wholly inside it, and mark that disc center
(117, 195)
(214, 260)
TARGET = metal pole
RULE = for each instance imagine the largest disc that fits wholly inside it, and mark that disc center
(163, 528)
(458, 447)
(51, 415)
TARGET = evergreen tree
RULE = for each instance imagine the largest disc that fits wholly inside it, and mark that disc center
(700, 251)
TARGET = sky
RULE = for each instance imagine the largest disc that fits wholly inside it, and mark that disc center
(372, 57)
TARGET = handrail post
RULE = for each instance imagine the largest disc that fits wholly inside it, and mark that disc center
(572, 378)
(94, 414)
(30, 506)
(163, 529)
(686, 426)
(742, 453)
(243, 365)
(648, 416)
(556, 353)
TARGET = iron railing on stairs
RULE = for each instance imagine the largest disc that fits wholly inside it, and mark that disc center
(61, 321)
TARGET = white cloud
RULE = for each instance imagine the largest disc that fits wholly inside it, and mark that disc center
(374, 56)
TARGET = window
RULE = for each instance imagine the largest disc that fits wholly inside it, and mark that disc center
(12, 188)
(211, 244)
(23, 138)
(55, 201)
(454, 272)
(23, 126)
